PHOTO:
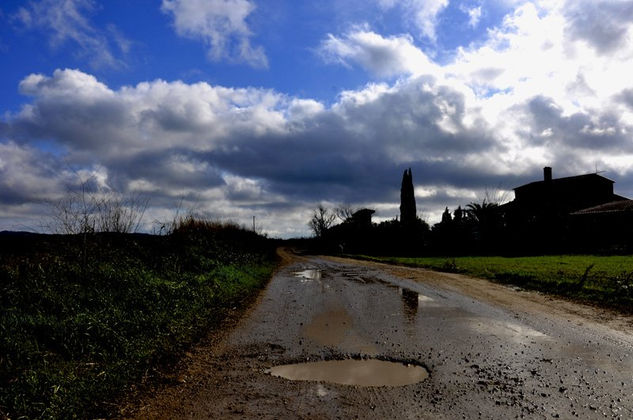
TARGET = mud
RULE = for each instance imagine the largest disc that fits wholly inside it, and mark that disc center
(491, 351)
(329, 328)
(364, 372)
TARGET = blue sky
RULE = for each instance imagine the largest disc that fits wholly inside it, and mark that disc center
(241, 108)
(289, 32)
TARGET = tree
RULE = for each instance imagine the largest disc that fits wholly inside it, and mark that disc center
(322, 220)
(458, 215)
(408, 213)
(486, 221)
(483, 214)
(446, 217)
(344, 212)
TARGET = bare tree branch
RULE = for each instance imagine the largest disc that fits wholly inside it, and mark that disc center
(321, 221)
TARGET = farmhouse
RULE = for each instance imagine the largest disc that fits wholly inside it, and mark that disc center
(563, 196)
(553, 211)
(362, 218)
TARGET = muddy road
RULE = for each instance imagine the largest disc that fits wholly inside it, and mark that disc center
(490, 351)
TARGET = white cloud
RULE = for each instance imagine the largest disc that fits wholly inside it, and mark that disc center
(221, 25)
(535, 53)
(395, 55)
(86, 115)
(548, 92)
(66, 21)
(474, 15)
(244, 151)
(421, 13)
(535, 93)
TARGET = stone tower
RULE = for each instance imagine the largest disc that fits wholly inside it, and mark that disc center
(407, 199)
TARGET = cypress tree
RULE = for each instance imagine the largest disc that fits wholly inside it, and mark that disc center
(407, 199)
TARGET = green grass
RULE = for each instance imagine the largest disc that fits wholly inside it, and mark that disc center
(606, 280)
(81, 322)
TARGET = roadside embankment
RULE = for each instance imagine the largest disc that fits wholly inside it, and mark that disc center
(85, 317)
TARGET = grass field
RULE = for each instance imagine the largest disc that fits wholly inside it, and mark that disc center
(82, 319)
(606, 280)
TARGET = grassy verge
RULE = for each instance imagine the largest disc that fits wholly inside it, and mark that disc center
(606, 280)
(81, 319)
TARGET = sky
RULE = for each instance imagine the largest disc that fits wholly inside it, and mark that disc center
(234, 109)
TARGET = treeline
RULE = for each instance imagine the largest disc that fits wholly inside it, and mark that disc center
(474, 229)
(479, 228)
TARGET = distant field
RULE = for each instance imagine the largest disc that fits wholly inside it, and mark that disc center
(607, 280)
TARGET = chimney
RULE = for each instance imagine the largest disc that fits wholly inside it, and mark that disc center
(547, 174)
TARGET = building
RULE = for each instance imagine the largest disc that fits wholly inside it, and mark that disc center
(362, 218)
(606, 227)
(564, 195)
(552, 212)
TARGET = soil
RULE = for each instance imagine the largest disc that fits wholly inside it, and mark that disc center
(491, 351)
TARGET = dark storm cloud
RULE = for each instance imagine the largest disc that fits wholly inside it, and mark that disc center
(453, 172)
(358, 151)
(231, 151)
(28, 175)
(171, 169)
(603, 24)
(76, 125)
(626, 97)
(376, 179)
(601, 131)
(12, 196)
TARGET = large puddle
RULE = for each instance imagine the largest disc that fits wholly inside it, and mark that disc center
(309, 274)
(368, 372)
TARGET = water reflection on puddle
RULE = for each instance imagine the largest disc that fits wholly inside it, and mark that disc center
(513, 331)
(309, 274)
(410, 299)
(369, 372)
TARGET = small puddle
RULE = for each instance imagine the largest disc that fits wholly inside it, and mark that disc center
(366, 372)
(310, 274)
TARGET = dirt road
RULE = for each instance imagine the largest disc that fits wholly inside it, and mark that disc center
(491, 351)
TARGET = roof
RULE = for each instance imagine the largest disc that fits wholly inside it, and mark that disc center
(363, 212)
(618, 206)
(566, 180)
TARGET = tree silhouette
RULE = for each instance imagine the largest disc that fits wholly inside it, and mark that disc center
(486, 221)
(322, 220)
(446, 217)
(407, 199)
(344, 212)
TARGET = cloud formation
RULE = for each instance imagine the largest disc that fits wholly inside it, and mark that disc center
(474, 15)
(66, 21)
(604, 25)
(239, 151)
(422, 14)
(395, 55)
(539, 91)
(221, 25)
